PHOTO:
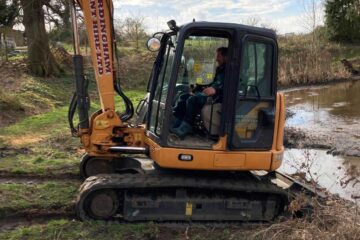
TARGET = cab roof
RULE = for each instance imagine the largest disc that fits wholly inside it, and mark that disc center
(234, 26)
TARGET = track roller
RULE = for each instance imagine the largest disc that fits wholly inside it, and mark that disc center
(102, 204)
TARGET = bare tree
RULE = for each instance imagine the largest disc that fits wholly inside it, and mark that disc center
(311, 19)
(269, 26)
(256, 21)
(252, 21)
(134, 29)
(58, 13)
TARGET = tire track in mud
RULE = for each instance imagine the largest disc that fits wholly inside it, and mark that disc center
(6, 177)
(25, 220)
(36, 215)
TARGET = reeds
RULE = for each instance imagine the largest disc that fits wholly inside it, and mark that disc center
(302, 61)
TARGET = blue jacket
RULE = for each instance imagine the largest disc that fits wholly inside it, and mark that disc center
(218, 82)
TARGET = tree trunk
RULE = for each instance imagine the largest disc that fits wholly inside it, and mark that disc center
(137, 37)
(66, 17)
(41, 61)
(6, 49)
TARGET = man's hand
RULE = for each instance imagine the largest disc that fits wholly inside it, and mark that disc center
(209, 91)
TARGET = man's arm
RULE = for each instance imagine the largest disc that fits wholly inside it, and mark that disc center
(216, 86)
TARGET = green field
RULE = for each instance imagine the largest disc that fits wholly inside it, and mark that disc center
(19, 199)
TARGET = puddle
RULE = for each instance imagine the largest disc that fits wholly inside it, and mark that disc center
(325, 107)
(330, 172)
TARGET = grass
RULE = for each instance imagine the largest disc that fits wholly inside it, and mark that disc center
(52, 150)
(10, 101)
(30, 96)
(44, 124)
(45, 135)
(16, 198)
(42, 162)
(55, 121)
(65, 229)
(17, 57)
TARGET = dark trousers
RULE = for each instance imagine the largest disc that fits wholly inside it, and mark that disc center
(188, 106)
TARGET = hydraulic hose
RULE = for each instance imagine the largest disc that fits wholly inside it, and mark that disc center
(71, 114)
(84, 106)
(80, 99)
(129, 108)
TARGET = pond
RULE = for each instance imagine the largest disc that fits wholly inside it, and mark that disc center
(332, 113)
(330, 107)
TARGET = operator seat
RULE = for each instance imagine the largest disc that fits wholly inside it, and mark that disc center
(211, 117)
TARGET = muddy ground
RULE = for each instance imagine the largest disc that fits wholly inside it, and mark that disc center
(344, 141)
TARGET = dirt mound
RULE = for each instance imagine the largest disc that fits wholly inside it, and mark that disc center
(11, 74)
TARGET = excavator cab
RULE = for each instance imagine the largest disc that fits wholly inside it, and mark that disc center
(241, 129)
(205, 176)
(245, 118)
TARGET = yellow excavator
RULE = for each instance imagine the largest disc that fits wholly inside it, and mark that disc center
(138, 170)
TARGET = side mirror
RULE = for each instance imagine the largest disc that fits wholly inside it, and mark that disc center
(153, 44)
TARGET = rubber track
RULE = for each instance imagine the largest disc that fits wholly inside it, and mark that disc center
(152, 181)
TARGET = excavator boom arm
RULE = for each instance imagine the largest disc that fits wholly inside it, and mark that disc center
(98, 20)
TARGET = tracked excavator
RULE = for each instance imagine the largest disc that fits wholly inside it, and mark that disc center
(137, 170)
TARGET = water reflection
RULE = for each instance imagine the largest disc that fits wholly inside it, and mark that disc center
(332, 113)
(329, 112)
(338, 101)
(328, 171)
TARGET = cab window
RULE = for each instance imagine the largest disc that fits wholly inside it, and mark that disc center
(255, 102)
(255, 73)
(197, 71)
(161, 91)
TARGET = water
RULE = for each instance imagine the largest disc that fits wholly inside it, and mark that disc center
(331, 107)
(331, 112)
(330, 172)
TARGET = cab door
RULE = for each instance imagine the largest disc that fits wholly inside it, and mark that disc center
(254, 109)
(160, 86)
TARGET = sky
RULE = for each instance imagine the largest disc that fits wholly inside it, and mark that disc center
(286, 16)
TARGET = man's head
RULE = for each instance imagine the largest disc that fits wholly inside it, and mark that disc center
(221, 54)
